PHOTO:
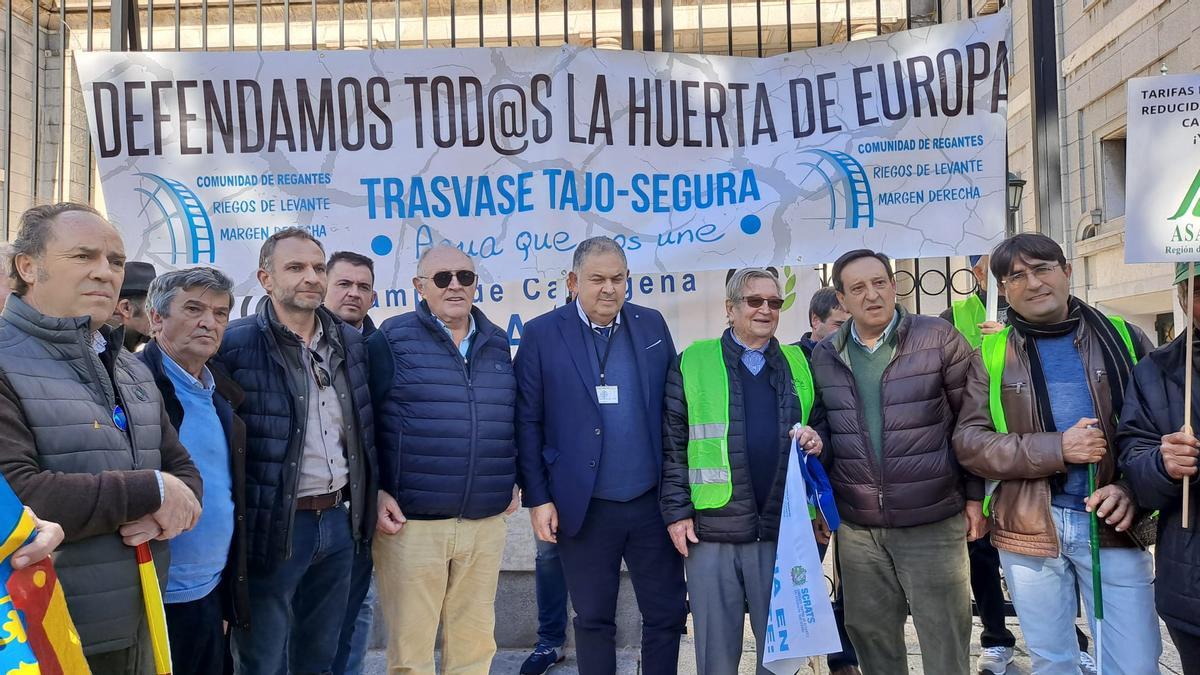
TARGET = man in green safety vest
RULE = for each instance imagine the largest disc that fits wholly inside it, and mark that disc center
(969, 315)
(1040, 405)
(730, 403)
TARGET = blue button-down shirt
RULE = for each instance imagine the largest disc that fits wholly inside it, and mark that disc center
(883, 337)
(464, 347)
(753, 358)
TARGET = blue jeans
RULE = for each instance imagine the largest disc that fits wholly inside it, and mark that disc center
(360, 613)
(296, 609)
(1043, 592)
(551, 588)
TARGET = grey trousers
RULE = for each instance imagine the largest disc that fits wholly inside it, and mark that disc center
(888, 572)
(722, 580)
(135, 660)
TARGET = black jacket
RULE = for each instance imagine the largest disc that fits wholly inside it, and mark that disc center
(1153, 409)
(739, 520)
(226, 399)
(251, 354)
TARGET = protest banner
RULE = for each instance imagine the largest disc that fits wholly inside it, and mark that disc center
(516, 154)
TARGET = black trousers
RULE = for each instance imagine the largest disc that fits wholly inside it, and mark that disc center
(199, 645)
(989, 596)
(1188, 645)
(632, 531)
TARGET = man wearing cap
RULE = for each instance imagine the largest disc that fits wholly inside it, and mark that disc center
(131, 308)
(1157, 455)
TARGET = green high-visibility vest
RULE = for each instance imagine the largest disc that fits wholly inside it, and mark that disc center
(706, 386)
(994, 352)
(968, 314)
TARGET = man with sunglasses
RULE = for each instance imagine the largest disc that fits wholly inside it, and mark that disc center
(445, 396)
(310, 452)
(724, 505)
(1057, 376)
(591, 379)
(892, 383)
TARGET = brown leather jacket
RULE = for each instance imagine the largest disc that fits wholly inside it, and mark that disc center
(1026, 458)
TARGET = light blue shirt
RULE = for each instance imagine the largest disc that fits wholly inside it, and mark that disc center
(754, 359)
(883, 337)
(198, 556)
(594, 326)
(464, 347)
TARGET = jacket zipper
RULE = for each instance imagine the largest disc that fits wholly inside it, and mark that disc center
(467, 365)
(862, 422)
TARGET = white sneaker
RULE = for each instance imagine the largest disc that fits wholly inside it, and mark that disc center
(1087, 664)
(994, 660)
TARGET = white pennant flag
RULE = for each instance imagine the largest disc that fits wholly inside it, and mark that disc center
(801, 622)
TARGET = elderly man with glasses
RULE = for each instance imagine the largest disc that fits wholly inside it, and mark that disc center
(445, 396)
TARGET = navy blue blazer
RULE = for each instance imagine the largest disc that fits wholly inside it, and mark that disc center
(558, 415)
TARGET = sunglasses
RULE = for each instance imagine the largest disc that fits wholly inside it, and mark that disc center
(775, 304)
(442, 279)
(319, 373)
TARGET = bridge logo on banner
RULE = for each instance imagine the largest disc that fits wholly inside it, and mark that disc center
(515, 155)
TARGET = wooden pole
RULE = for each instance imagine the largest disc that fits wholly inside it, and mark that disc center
(1187, 387)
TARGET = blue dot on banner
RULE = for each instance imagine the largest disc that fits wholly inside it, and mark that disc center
(381, 245)
(751, 224)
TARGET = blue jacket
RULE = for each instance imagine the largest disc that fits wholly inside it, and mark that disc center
(558, 415)
(445, 431)
(1153, 409)
(273, 411)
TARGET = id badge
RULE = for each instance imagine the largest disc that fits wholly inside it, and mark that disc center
(607, 395)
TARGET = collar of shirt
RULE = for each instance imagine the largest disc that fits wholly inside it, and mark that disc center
(883, 337)
(99, 344)
(178, 374)
(465, 345)
(754, 358)
(760, 350)
(590, 324)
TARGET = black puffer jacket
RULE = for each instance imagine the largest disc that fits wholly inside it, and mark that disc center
(1153, 409)
(739, 520)
(919, 480)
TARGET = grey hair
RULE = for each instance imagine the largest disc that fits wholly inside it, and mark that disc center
(268, 247)
(165, 287)
(33, 234)
(439, 248)
(735, 289)
(597, 246)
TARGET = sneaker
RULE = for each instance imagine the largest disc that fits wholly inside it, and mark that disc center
(542, 659)
(1087, 664)
(994, 660)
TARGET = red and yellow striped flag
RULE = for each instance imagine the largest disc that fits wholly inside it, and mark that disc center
(156, 615)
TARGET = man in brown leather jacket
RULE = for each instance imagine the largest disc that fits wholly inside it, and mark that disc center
(1065, 368)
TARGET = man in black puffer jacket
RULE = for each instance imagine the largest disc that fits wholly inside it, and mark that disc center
(310, 449)
(1156, 457)
(445, 396)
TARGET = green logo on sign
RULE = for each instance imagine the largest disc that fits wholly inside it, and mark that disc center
(799, 575)
(1189, 200)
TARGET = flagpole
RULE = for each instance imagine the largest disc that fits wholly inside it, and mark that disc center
(1097, 587)
(1187, 387)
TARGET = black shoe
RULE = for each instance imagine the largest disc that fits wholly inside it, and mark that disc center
(542, 659)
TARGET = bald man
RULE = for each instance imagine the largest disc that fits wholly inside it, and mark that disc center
(445, 397)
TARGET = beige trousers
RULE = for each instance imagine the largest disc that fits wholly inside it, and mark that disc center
(440, 571)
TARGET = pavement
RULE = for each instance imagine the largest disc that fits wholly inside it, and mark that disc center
(508, 661)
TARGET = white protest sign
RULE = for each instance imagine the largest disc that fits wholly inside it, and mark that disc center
(517, 154)
(1162, 169)
(800, 623)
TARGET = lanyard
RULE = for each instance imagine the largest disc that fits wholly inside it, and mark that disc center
(603, 360)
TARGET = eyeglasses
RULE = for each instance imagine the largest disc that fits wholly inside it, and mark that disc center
(775, 304)
(442, 279)
(1019, 279)
(319, 373)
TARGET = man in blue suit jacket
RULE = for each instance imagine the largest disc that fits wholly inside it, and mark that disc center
(590, 379)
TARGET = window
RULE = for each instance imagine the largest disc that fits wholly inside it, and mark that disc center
(1112, 175)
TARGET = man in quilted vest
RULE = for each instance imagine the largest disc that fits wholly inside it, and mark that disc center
(1063, 368)
(87, 441)
(445, 395)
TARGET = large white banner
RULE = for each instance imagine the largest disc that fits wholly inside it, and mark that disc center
(516, 155)
(1162, 169)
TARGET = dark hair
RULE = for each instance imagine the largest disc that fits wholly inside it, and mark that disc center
(857, 254)
(268, 247)
(1025, 247)
(823, 303)
(34, 232)
(352, 258)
